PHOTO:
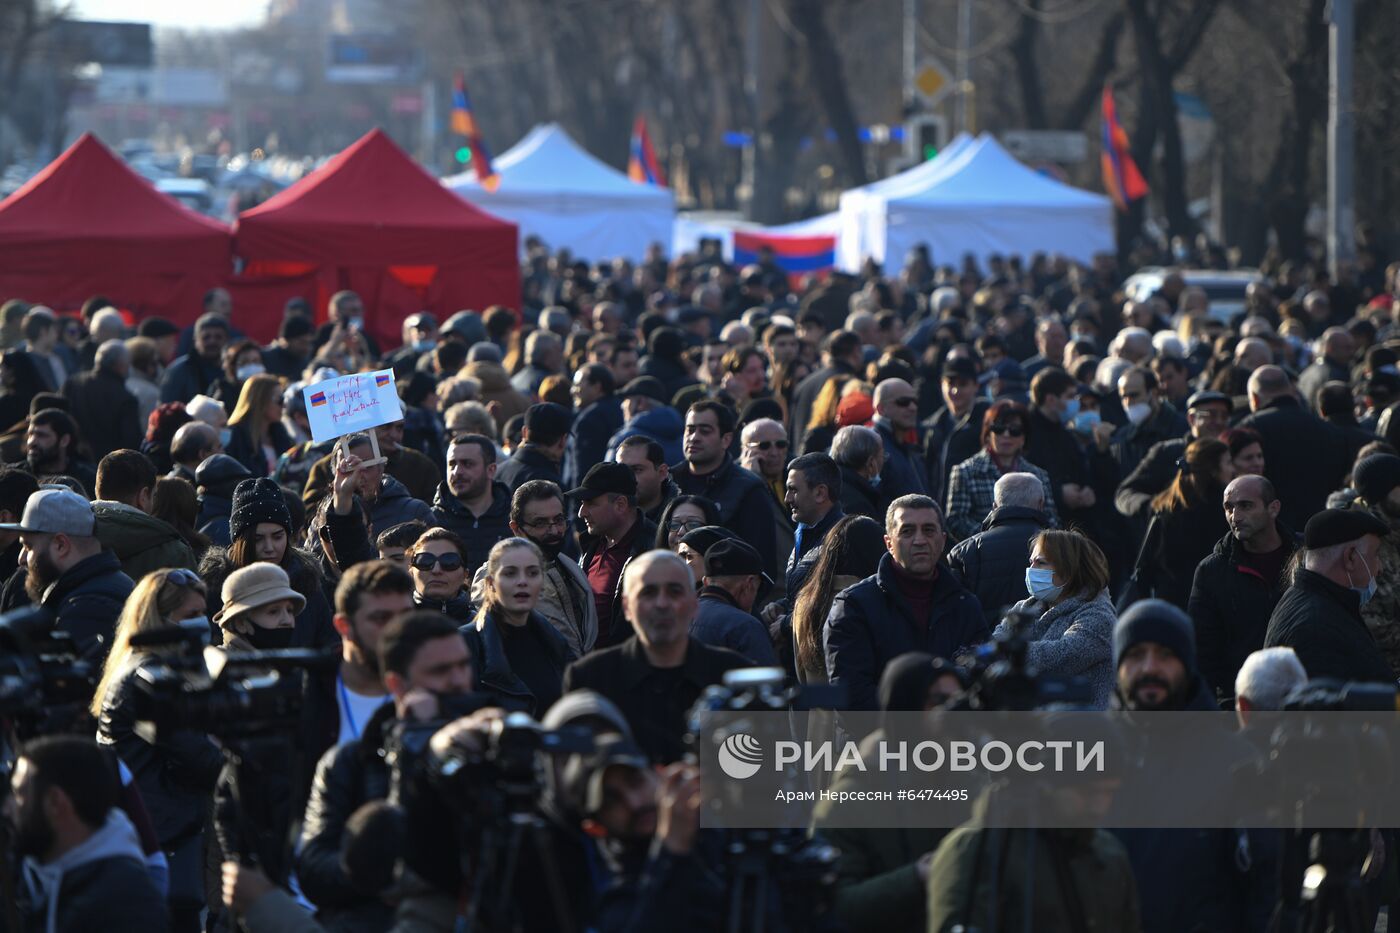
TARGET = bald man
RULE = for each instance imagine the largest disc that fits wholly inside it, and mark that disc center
(896, 421)
(1306, 457)
(1334, 365)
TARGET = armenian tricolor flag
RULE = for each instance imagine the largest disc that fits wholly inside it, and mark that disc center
(464, 124)
(1121, 178)
(643, 166)
(382, 379)
(798, 256)
(318, 399)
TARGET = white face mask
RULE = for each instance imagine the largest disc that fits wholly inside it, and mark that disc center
(248, 371)
(1138, 411)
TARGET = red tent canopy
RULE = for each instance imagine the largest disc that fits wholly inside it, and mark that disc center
(373, 221)
(87, 224)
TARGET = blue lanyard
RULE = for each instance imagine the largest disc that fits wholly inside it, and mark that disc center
(345, 704)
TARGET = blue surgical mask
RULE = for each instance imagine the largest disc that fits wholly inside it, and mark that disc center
(1084, 421)
(248, 371)
(225, 434)
(1040, 583)
(875, 481)
(423, 346)
(1369, 590)
(1071, 409)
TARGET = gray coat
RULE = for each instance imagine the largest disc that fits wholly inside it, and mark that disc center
(1073, 638)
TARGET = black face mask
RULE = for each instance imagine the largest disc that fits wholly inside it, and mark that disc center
(272, 639)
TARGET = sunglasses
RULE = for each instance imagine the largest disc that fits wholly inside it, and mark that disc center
(182, 577)
(1010, 429)
(449, 562)
(767, 445)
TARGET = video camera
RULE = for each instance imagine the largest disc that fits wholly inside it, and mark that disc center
(1002, 678)
(230, 695)
(43, 677)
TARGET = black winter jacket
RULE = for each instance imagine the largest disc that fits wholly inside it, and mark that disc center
(525, 464)
(86, 601)
(1052, 447)
(858, 497)
(493, 672)
(992, 563)
(176, 774)
(870, 625)
(1307, 458)
(347, 777)
(458, 608)
(951, 440)
(1321, 621)
(743, 505)
(1230, 607)
(1186, 537)
(478, 533)
(114, 895)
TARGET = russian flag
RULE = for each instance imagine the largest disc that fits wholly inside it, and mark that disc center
(318, 399)
(798, 256)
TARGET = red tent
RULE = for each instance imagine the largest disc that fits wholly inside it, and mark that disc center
(373, 221)
(87, 224)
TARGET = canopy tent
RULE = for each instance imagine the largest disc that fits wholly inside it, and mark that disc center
(88, 224)
(372, 220)
(553, 189)
(980, 201)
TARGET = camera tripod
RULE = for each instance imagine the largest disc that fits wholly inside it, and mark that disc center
(502, 843)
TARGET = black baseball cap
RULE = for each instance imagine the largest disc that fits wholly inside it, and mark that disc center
(960, 367)
(548, 419)
(606, 479)
(731, 557)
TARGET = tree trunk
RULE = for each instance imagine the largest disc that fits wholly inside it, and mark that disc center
(1087, 98)
(1028, 74)
(824, 64)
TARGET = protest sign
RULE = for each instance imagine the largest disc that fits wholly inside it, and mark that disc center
(350, 403)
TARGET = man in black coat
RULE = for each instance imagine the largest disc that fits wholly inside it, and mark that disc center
(470, 503)
(734, 579)
(1237, 586)
(193, 373)
(81, 853)
(1051, 446)
(1319, 616)
(954, 433)
(102, 406)
(1208, 414)
(70, 573)
(1334, 365)
(542, 442)
(598, 418)
(658, 674)
(841, 355)
(1306, 457)
(708, 470)
(616, 533)
(1150, 419)
(992, 563)
(910, 604)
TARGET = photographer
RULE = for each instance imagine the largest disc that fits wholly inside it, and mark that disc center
(520, 657)
(175, 774)
(83, 867)
(422, 656)
(646, 824)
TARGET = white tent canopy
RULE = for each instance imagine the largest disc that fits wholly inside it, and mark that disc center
(980, 200)
(552, 188)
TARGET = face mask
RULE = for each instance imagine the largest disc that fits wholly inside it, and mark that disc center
(271, 639)
(357, 323)
(1039, 583)
(1084, 421)
(423, 346)
(225, 434)
(1071, 410)
(1369, 590)
(875, 481)
(248, 371)
(1137, 412)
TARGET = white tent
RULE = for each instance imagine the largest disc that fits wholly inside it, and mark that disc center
(552, 188)
(980, 201)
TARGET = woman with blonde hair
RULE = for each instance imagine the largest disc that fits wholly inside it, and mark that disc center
(257, 437)
(175, 774)
(519, 656)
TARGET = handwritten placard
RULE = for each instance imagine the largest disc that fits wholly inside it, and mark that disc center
(350, 403)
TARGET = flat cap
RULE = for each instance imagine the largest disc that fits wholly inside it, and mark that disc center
(1205, 398)
(1340, 526)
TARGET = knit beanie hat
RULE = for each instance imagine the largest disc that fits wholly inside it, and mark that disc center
(258, 500)
(1155, 620)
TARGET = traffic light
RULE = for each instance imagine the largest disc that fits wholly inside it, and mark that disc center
(925, 136)
(929, 140)
(464, 155)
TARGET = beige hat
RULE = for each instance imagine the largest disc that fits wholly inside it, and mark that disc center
(252, 587)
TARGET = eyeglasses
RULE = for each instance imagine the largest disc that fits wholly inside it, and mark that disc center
(448, 562)
(689, 524)
(906, 401)
(766, 445)
(544, 524)
(1013, 430)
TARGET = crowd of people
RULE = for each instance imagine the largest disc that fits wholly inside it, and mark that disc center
(651, 475)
